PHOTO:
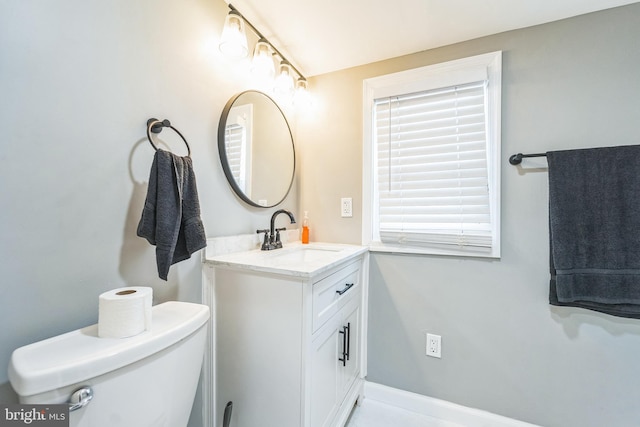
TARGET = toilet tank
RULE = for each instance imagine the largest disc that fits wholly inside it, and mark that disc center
(148, 380)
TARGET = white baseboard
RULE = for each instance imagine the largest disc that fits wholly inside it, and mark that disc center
(437, 408)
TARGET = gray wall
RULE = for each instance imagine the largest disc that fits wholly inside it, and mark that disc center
(569, 84)
(78, 81)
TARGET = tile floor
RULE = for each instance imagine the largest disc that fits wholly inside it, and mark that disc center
(371, 413)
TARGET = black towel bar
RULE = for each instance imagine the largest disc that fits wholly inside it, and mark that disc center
(516, 159)
(154, 125)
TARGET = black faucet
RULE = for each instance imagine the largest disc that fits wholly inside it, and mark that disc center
(272, 236)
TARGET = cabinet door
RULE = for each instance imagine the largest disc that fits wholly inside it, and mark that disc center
(324, 373)
(349, 346)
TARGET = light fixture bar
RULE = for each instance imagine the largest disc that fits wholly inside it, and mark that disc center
(260, 36)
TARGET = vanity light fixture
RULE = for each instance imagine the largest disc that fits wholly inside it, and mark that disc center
(233, 42)
(234, 45)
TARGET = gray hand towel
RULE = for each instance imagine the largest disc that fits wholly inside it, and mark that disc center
(594, 225)
(171, 215)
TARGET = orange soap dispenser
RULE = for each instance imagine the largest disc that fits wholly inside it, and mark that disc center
(305, 228)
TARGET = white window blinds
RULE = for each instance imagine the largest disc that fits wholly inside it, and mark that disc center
(432, 171)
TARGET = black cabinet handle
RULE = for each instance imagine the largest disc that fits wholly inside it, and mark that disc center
(348, 339)
(346, 343)
(346, 288)
(345, 357)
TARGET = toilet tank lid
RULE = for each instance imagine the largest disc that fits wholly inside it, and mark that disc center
(80, 355)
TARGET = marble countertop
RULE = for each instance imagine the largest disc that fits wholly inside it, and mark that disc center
(295, 259)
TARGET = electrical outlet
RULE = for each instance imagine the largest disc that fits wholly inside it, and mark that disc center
(346, 207)
(434, 345)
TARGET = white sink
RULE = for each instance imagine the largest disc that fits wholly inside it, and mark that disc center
(294, 259)
(304, 254)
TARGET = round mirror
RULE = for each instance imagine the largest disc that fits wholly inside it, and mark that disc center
(256, 149)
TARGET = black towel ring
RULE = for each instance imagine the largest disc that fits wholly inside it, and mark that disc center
(154, 125)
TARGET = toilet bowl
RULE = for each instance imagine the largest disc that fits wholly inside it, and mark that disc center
(148, 380)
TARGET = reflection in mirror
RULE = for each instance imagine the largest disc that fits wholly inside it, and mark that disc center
(256, 149)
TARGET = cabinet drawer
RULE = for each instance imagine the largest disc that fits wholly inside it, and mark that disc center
(333, 292)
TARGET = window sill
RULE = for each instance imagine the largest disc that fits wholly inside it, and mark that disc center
(378, 247)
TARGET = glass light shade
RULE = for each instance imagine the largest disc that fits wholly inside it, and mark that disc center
(302, 97)
(233, 42)
(262, 63)
(284, 82)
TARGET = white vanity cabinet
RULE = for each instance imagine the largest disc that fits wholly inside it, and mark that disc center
(335, 345)
(288, 342)
(335, 365)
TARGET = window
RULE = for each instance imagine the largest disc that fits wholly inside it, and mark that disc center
(431, 152)
(236, 153)
(238, 140)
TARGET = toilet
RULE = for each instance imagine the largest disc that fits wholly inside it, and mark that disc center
(148, 380)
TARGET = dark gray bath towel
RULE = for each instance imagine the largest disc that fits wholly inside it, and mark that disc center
(171, 215)
(594, 225)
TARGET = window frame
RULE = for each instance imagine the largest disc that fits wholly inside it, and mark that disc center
(430, 77)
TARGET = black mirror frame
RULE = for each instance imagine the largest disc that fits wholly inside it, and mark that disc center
(222, 151)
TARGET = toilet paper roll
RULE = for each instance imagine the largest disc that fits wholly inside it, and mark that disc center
(124, 312)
